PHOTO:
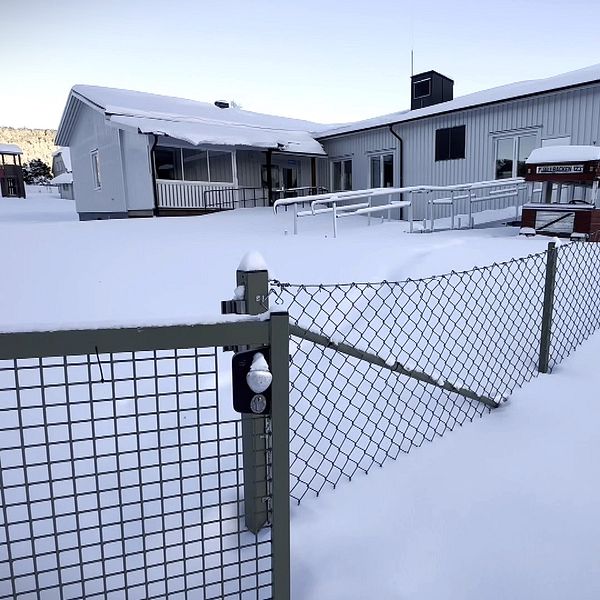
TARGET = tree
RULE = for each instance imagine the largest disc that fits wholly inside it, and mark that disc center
(37, 172)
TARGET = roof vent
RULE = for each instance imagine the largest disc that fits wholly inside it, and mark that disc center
(430, 88)
(222, 104)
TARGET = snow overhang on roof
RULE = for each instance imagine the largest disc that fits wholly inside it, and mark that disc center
(65, 154)
(190, 121)
(10, 149)
(561, 154)
(498, 94)
(63, 178)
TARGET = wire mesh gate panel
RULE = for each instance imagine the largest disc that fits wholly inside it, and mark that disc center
(478, 329)
(121, 476)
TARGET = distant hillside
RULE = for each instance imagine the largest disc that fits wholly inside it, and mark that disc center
(35, 143)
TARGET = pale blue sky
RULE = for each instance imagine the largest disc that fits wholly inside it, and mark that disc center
(315, 59)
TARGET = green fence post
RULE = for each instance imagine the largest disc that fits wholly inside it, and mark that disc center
(546, 335)
(254, 431)
(280, 450)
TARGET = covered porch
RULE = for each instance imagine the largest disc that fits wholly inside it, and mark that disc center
(197, 179)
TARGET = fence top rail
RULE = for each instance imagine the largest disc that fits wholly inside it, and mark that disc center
(341, 196)
(228, 331)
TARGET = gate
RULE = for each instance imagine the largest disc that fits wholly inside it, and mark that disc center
(123, 464)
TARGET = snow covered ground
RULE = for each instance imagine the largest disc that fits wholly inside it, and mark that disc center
(504, 507)
(57, 271)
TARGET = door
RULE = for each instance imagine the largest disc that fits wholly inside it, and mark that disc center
(289, 179)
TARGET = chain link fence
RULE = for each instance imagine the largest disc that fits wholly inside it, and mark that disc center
(122, 470)
(435, 351)
(576, 298)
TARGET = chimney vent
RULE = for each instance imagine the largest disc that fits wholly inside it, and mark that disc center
(430, 88)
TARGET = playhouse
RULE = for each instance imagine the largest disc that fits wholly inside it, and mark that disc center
(570, 203)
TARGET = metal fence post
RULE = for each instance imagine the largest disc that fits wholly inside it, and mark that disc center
(254, 434)
(548, 308)
(280, 460)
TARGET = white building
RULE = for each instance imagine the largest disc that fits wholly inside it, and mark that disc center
(138, 154)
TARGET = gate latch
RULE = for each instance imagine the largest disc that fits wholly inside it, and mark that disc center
(251, 381)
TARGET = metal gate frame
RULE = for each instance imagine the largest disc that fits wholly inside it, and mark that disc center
(240, 331)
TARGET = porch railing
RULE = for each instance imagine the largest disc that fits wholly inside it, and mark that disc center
(185, 194)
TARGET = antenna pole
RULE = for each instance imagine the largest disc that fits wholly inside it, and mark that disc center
(412, 69)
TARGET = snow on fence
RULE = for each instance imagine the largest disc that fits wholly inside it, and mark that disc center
(426, 202)
(379, 368)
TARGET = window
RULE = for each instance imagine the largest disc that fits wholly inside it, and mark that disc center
(220, 167)
(450, 143)
(342, 175)
(95, 169)
(11, 186)
(422, 88)
(511, 154)
(195, 164)
(275, 183)
(167, 162)
(382, 170)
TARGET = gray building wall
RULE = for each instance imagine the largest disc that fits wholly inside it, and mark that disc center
(574, 113)
(135, 149)
(90, 133)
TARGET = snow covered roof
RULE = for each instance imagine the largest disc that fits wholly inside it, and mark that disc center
(63, 178)
(65, 153)
(10, 149)
(192, 121)
(559, 154)
(497, 94)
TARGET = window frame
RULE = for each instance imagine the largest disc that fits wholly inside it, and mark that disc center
(415, 83)
(95, 163)
(208, 151)
(450, 130)
(515, 137)
(379, 157)
(342, 161)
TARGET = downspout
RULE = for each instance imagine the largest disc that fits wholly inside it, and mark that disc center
(153, 173)
(401, 146)
(269, 177)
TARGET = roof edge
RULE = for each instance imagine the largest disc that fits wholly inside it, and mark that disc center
(453, 110)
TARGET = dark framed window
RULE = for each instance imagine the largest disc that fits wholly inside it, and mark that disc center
(168, 163)
(422, 88)
(450, 143)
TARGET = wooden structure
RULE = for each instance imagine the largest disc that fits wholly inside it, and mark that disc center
(12, 184)
(570, 199)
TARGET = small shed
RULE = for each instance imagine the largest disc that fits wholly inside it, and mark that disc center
(570, 199)
(12, 184)
(63, 173)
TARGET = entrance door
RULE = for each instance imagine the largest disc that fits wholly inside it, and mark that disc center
(289, 177)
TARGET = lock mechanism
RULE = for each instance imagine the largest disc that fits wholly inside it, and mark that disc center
(251, 381)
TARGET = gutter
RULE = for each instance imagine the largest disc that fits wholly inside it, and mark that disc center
(401, 145)
(153, 173)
